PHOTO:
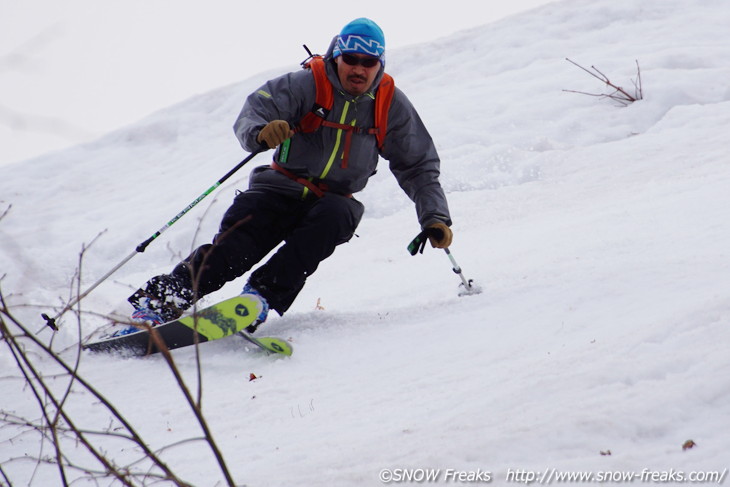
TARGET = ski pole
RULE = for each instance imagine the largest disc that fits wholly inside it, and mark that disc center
(469, 286)
(419, 243)
(51, 322)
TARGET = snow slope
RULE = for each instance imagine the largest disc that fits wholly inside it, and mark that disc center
(599, 234)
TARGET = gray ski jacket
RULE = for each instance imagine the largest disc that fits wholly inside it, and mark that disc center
(318, 155)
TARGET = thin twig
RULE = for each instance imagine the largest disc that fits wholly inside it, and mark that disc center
(159, 343)
(619, 94)
(34, 377)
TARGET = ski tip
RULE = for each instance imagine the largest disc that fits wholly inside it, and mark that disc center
(277, 345)
(269, 344)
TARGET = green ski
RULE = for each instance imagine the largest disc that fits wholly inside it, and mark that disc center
(220, 320)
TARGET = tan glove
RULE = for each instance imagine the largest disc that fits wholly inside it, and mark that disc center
(274, 133)
(440, 235)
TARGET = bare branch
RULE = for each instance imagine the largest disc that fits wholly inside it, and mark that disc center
(58, 427)
(619, 94)
(5, 212)
(47, 399)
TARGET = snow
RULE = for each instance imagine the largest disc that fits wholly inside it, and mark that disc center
(598, 234)
(74, 71)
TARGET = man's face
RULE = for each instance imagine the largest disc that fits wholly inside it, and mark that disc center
(357, 72)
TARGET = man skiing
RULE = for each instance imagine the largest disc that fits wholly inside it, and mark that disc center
(304, 198)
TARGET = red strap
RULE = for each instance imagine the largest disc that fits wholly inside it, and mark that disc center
(324, 100)
(317, 189)
(386, 90)
(349, 130)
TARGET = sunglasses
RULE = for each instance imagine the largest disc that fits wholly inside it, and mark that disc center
(365, 62)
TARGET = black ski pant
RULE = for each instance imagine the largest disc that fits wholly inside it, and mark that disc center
(254, 225)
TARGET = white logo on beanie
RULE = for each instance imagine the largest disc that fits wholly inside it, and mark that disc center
(354, 43)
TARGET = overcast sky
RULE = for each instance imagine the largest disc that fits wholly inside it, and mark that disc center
(73, 70)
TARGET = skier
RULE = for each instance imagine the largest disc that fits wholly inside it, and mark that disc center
(305, 197)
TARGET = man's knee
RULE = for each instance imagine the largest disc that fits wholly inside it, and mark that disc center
(341, 212)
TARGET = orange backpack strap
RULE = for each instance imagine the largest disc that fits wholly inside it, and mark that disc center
(383, 97)
(324, 97)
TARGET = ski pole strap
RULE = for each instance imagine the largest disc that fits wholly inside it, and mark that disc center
(419, 243)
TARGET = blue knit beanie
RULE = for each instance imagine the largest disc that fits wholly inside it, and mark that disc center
(361, 36)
